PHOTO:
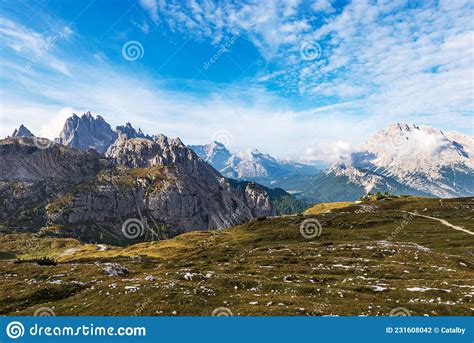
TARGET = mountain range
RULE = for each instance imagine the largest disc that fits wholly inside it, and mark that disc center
(160, 185)
(402, 159)
(253, 165)
(94, 180)
(22, 131)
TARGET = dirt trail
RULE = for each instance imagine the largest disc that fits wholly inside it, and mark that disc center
(444, 222)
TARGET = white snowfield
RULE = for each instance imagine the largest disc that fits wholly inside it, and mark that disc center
(419, 156)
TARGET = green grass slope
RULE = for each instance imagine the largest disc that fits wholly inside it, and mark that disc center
(369, 259)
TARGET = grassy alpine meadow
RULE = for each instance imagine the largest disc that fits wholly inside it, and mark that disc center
(369, 258)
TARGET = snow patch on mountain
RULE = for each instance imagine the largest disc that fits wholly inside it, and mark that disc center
(418, 156)
(251, 164)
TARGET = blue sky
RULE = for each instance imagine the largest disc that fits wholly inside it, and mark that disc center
(297, 79)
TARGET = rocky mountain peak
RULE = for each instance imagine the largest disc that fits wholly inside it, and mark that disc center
(87, 132)
(255, 154)
(162, 140)
(89, 116)
(418, 156)
(178, 142)
(214, 153)
(251, 165)
(166, 142)
(411, 147)
(142, 152)
(130, 131)
(22, 131)
(215, 145)
(403, 127)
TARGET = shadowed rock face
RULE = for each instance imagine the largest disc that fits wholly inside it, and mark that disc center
(180, 187)
(34, 173)
(81, 194)
(23, 159)
(87, 132)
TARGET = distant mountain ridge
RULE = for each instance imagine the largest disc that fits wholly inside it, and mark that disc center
(88, 132)
(422, 157)
(129, 131)
(252, 165)
(402, 159)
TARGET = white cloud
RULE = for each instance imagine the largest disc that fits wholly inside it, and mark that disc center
(259, 121)
(269, 25)
(151, 6)
(51, 127)
(380, 53)
(379, 65)
(323, 6)
(34, 47)
(42, 119)
(329, 152)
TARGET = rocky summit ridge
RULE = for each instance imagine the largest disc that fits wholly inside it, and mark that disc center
(158, 183)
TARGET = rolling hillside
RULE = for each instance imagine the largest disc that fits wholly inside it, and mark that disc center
(369, 258)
